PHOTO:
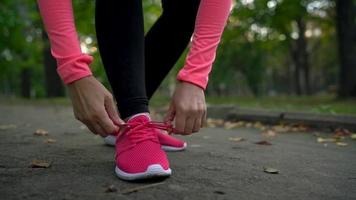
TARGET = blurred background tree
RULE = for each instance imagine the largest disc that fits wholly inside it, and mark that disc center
(269, 48)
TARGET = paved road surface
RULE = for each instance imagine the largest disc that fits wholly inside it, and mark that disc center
(213, 167)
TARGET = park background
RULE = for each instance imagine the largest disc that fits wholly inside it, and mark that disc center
(290, 55)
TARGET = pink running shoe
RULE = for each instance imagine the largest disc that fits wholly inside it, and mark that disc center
(168, 143)
(140, 155)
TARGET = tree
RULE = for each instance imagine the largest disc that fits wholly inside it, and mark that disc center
(346, 27)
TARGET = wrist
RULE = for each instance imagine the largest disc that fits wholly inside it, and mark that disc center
(189, 83)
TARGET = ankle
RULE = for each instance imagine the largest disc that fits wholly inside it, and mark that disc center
(132, 116)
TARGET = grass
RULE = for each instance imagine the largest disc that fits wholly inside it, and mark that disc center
(313, 104)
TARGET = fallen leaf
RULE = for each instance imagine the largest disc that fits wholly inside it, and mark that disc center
(41, 132)
(214, 122)
(324, 140)
(302, 128)
(50, 141)
(263, 142)
(237, 139)
(270, 170)
(342, 144)
(259, 125)
(281, 128)
(294, 129)
(111, 188)
(135, 189)
(7, 126)
(269, 133)
(248, 125)
(40, 164)
(231, 125)
(353, 136)
(341, 133)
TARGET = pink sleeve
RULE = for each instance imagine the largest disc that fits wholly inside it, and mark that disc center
(211, 20)
(59, 23)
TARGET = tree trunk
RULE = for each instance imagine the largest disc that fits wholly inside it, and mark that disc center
(346, 28)
(26, 83)
(54, 86)
(301, 60)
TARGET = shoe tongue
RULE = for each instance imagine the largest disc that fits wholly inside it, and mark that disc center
(140, 118)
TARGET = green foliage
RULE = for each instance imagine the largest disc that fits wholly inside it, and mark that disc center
(259, 40)
(254, 57)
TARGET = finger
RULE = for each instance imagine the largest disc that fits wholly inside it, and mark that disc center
(99, 130)
(203, 119)
(189, 125)
(91, 128)
(197, 125)
(111, 109)
(170, 113)
(107, 124)
(179, 123)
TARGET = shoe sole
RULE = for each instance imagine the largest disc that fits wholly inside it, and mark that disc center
(110, 141)
(153, 171)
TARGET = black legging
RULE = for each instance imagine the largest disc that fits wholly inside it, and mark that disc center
(136, 64)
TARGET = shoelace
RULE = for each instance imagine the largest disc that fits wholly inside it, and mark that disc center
(137, 132)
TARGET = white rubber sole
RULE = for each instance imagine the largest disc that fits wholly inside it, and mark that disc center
(153, 171)
(111, 140)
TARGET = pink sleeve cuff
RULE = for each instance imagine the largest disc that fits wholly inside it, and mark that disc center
(75, 68)
(200, 81)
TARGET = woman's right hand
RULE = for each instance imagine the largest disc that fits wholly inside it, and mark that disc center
(94, 105)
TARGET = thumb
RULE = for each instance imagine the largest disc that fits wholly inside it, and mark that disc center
(170, 113)
(112, 111)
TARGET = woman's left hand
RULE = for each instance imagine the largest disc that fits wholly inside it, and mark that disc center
(188, 108)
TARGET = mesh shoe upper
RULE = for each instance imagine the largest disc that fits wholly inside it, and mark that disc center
(139, 146)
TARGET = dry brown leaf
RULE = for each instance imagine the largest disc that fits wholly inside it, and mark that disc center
(269, 133)
(342, 144)
(237, 139)
(111, 188)
(324, 140)
(40, 164)
(270, 170)
(263, 142)
(294, 129)
(248, 125)
(40, 132)
(302, 128)
(7, 126)
(230, 125)
(214, 122)
(281, 128)
(341, 133)
(50, 141)
(258, 125)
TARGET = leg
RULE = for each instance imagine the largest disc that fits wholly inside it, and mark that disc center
(120, 33)
(167, 39)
